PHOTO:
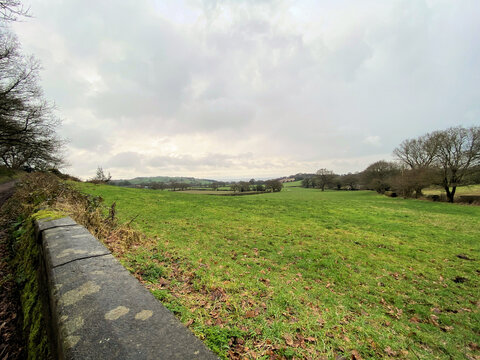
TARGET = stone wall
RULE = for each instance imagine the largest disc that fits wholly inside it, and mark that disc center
(98, 309)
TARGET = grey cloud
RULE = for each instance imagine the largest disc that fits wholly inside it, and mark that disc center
(245, 68)
(222, 161)
(125, 160)
(90, 139)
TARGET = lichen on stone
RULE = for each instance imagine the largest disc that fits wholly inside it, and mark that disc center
(116, 313)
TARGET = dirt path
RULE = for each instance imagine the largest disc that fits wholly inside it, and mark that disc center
(11, 342)
(6, 190)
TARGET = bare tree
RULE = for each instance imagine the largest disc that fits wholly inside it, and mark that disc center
(273, 185)
(324, 177)
(27, 121)
(100, 177)
(350, 181)
(417, 155)
(10, 10)
(458, 152)
(378, 175)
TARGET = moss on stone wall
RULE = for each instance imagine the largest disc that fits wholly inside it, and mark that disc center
(48, 214)
(27, 263)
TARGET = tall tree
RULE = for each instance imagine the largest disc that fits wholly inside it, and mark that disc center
(350, 181)
(273, 185)
(458, 152)
(417, 155)
(27, 121)
(324, 177)
(378, 175)
(10, 10)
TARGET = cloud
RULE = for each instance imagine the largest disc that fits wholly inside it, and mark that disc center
(372, 140)
(125, 160)
(194, 86)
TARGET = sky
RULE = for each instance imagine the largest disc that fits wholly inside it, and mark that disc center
(257, 88)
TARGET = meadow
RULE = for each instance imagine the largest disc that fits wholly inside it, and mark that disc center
(310, 274)
(461, 190)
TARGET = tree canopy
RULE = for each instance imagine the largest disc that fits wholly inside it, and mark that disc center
(27, 122)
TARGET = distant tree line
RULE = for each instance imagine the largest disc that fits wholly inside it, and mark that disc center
(447, 158)
(241, 186)
(257, 185)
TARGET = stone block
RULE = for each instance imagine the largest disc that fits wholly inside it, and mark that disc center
(65, 244)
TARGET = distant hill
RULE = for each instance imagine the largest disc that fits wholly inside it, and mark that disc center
(166, 179)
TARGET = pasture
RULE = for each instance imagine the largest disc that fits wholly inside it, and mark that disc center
(461, 190)
(310, 274)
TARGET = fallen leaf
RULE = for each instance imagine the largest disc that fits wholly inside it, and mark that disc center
(356, 355)
(288, 339)
(389, 351)
(474, 346)
(414, 319)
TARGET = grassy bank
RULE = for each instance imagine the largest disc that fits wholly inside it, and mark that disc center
(306, 274)
(7, 175)
(461, 190)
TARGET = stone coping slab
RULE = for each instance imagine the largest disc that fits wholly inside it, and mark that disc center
(47, 223)
(100, 311)
(62, 245)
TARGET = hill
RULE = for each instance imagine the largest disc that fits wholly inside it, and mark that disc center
(166, 179)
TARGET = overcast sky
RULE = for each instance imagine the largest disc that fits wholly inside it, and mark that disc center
(255, 88)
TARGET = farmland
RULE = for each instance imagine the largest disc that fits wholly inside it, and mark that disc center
(462, 190)
(310, 274)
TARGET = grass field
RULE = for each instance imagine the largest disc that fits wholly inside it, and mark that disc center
(461, 190)
(310, 274)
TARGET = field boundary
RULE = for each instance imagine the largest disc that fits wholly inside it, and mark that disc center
(100, 311)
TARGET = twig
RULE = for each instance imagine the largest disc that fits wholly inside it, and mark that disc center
(132, 220)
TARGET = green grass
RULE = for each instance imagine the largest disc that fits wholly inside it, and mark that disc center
(305, 274)
(461, 190)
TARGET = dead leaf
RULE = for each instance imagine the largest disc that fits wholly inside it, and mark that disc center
(163, 282)
(389, 351)
(250, 314)
(356, 355)
(414, 319)
(288, 339)
(474, 346)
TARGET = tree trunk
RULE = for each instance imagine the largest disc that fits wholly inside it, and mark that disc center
(450, 194)
(418, 193)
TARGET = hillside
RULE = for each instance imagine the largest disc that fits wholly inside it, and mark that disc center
(166, 179)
